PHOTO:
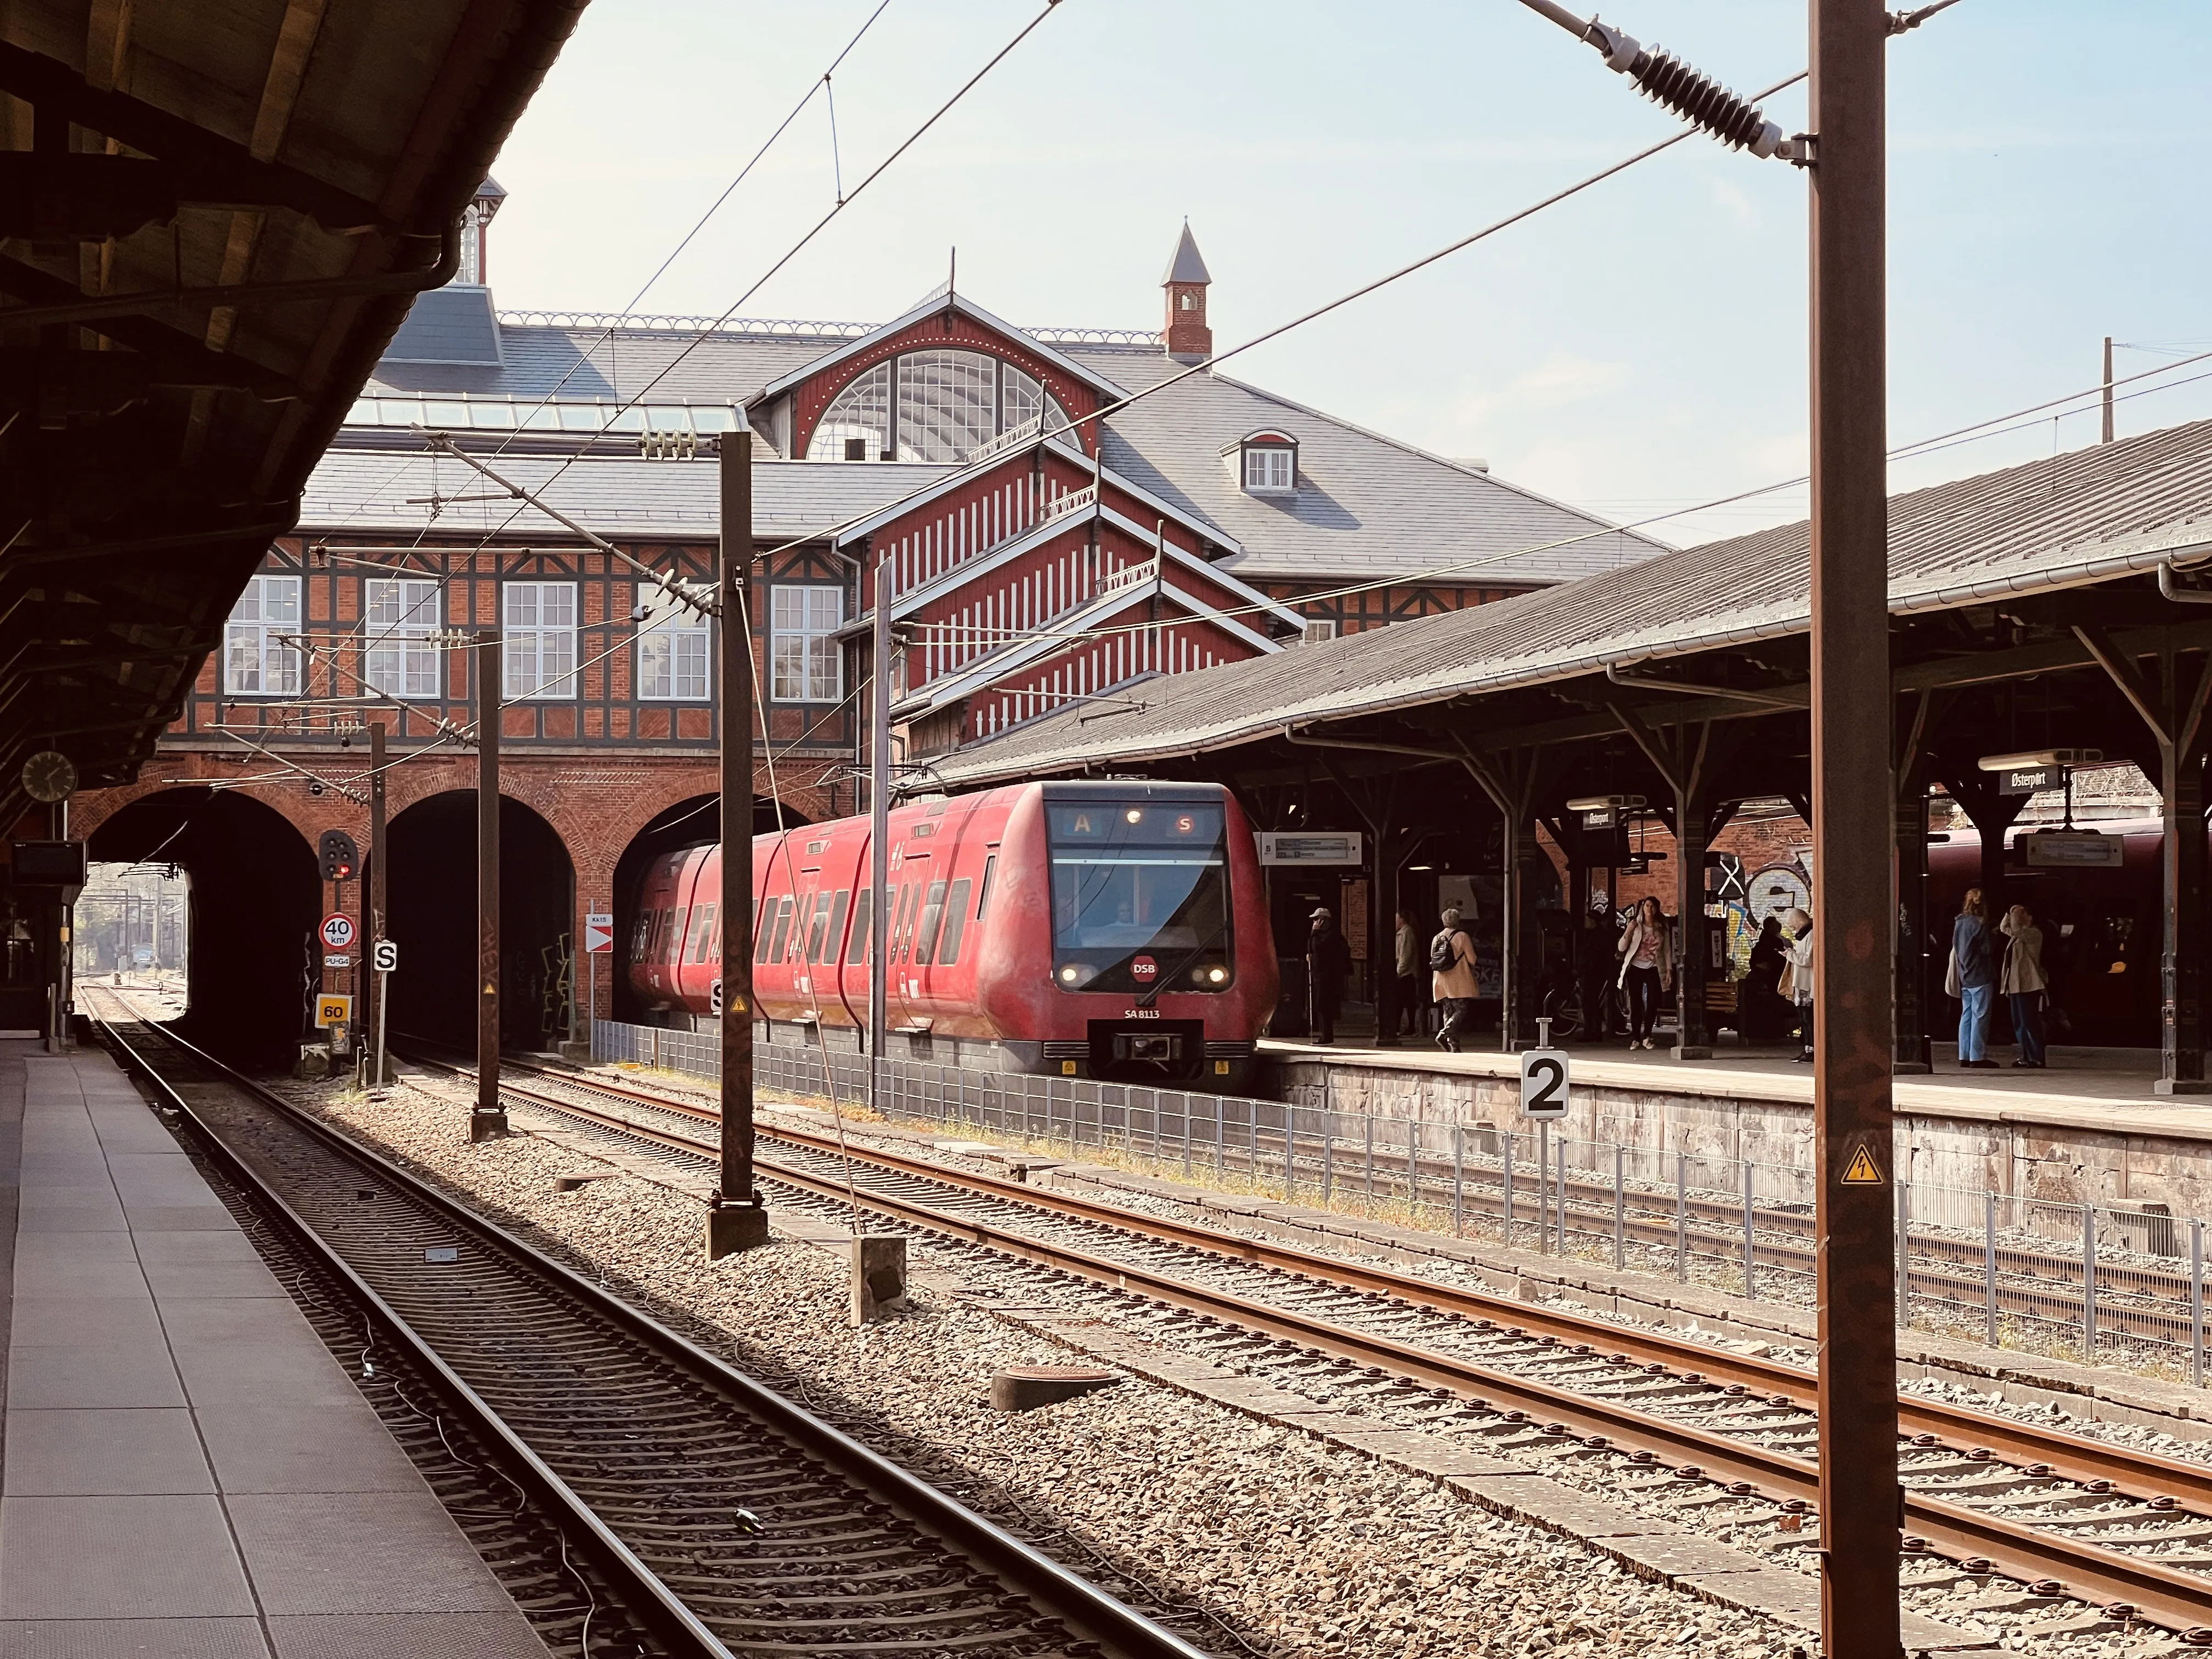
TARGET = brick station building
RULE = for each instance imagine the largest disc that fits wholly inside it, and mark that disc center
(1032, 556)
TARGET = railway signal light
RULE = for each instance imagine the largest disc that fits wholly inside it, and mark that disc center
(339, 857)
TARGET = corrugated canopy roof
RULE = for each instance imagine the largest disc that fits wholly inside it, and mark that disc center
(264, 183)
(2071, 520)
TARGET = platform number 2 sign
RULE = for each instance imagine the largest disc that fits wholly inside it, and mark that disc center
(1543, 1083)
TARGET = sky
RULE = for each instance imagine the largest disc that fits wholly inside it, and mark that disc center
(1636, 351)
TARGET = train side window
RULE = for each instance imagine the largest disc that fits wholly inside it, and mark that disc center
(702, 926)
(983, 893)
(820, 929)
(782, 930)
(671, 937)
(856, 949)
(933, 918)
(905, 915)
(825, 949)
(956, 924)
(765, 930)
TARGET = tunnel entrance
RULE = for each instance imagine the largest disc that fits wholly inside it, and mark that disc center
(687, 824)
(251, 924)
(432, 901)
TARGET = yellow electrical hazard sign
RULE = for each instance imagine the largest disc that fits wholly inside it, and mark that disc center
(333, 1010)
(1861, 1171)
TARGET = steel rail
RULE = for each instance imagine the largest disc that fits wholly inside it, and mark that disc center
(2131, 1471)
(2164, 1595)
(652, 1601)
(1089, 1612)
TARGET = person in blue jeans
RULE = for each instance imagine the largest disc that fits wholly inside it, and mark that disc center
(1974, 956)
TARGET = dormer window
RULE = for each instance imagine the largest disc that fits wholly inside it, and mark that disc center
(1267, 468)
(1265, 463)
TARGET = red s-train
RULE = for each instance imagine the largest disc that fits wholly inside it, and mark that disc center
(1107, 930)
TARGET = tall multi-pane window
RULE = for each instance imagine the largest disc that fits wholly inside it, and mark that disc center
(538, 631)
(806, 665)
(399, 615)
(672, 646)
(857, 425)
(934, 406)
(258, 656)
(947, 404)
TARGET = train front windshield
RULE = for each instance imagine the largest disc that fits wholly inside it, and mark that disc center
(1139, 897)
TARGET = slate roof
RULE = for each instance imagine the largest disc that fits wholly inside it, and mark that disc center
(1367, 507)
(356, 492)
(2068, 521)
(1188, 265)
(454, 325)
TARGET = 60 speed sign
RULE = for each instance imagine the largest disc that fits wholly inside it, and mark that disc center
(337, 932)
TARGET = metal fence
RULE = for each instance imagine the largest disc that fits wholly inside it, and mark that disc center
(2055, 1276)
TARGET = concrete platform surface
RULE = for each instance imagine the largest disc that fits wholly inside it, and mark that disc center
(185, 1473)
(2107, 1089)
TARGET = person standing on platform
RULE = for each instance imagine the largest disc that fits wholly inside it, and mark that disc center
(1328, 958)
(1762, 985)
(1647, 970)
(1796, 983)
(2024, 984)
(1974, 968)
(1594, 946)
(1451, 980)
(1411, 1004)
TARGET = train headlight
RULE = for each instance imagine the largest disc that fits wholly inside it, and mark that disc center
(1134, 816)
(1069, 975)
(1217, 975)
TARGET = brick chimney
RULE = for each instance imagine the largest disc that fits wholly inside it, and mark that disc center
(1189, 339)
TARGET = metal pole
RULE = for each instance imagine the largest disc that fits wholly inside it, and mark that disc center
(1860, 1501)
(1562, 1189)
(488, 1121)
(2108, 390)
(1750, 1281)
(2196, 1304)
(1904, 1267)
(378, 915)
(1990, 1267)
(2089, 1283)
(1620, 1211)
(1543, 1186)
(1509, 1189)
(1327, 1160)
(735, 1220)
(1459, 1180)
(1682, 1218)
(1369, 1119)
(880, 834)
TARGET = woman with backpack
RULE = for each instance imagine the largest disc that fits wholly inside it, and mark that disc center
(1451, 980)
(1647, 968)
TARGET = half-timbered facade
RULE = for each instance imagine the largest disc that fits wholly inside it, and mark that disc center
(1052, 516)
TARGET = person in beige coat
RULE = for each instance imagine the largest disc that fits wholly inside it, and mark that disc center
(1796, 981)
(2023, 981)
(1453, 985)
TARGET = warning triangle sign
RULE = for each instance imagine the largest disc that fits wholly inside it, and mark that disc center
(1860, 1171)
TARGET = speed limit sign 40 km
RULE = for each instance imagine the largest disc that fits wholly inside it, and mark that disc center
(1543, 1083)
(337, 932)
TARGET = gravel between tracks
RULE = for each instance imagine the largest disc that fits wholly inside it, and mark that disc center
(1301, 1549)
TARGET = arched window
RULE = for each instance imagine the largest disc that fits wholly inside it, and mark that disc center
(936, 406)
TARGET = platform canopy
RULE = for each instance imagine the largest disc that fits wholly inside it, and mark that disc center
(213, 215)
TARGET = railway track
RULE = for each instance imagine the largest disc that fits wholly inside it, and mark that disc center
(2127, 1531)
(716, 1517)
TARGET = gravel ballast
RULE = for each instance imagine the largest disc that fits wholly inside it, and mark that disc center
(1288, 1545)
